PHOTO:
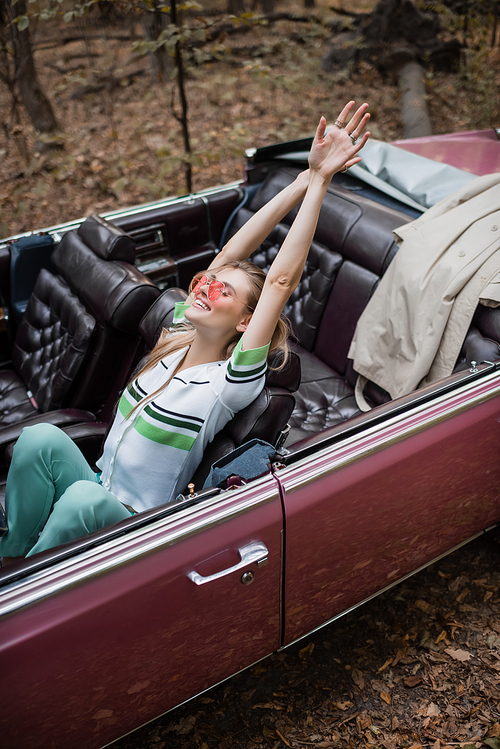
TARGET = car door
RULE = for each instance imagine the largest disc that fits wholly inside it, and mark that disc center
(365, 511)
(104, 641)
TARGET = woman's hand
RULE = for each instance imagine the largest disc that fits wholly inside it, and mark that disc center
(332, 151)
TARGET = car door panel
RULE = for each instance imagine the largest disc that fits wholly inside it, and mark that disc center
(121, 634)
(186, 233)
(363, 514)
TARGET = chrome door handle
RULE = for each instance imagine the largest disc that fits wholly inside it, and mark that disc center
(255, 552)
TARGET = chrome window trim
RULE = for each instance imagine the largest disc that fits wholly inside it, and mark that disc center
(190, 521)
(388, 432)
(139, 542)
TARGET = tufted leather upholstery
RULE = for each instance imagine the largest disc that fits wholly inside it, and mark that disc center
(306, 305)
(352, 247)
(323, 399)
(50, 347)
(79, 337)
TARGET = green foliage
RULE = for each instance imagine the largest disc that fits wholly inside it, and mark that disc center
(52, 9)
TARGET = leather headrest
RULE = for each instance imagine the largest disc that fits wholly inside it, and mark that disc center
(160, 315)
(116, 293)
(107, 240)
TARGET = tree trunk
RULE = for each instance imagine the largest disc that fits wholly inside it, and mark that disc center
(236, 7)
(154, 23)
(183, 117)
(37, 105)
(414, 111)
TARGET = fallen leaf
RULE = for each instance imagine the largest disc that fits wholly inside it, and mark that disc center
(386, 697)
(363, 721)
(258, 670)
(268, 706)
(358, 678)
(433, 710)
(458, 655)
(493, 743)
(341, 705)
(412, 681)
(464, 593)
(307, 651)
(384, 666)
(424, 606)
(494, 730)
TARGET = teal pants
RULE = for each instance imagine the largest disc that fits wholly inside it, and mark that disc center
(52, 495)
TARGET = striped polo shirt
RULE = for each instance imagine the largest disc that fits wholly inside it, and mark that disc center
(149, 458)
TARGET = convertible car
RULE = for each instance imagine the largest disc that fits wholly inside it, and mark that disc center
(104, 634)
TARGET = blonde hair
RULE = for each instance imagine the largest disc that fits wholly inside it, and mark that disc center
(174, 339)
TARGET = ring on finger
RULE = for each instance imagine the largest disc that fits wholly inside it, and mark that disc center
(344, 169)
(353, 138)
(339, 124)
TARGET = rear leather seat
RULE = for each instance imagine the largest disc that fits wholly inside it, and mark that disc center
(352, 248)
(79, 336)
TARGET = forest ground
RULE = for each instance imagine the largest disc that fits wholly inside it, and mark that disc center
(122, 144)
(419, 666)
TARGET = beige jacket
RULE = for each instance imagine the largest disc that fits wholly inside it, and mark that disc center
(412, 330)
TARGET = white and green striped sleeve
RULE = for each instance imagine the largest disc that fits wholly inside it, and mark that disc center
(245, 376)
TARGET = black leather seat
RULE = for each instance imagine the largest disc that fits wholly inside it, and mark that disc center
(79, 336)
(352, 248)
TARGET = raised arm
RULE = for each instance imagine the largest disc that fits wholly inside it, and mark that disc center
(256, 229)
(330, 152)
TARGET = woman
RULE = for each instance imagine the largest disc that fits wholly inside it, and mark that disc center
(196, 378)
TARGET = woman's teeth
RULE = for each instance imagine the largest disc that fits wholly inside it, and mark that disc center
(201, 304)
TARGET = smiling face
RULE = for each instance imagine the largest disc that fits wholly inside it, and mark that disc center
(228, 314)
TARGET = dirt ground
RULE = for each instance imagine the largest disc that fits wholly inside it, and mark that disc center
(122, 143)
(419, 666)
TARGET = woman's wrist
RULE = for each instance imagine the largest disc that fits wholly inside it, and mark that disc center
(317, 178)
(302, 180)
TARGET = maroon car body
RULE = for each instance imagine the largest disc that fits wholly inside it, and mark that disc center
(98, 639)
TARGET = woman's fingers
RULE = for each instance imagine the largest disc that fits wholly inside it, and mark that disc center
(342, 118)
(356, 118)
(358, 147)
(320, 130)
(358, 131)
